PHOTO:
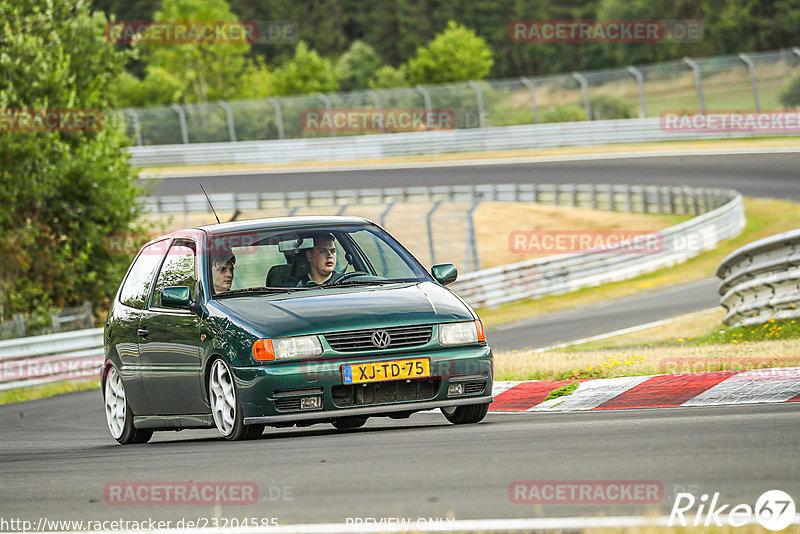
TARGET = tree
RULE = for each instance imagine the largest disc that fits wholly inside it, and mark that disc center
(305, 73)
(455, 55)
(387, 77)
(357, 66)
(62, 191)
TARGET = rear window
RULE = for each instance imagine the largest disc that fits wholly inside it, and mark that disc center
(136, 287)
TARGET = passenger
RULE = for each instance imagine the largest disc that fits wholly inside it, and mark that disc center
(322, 261)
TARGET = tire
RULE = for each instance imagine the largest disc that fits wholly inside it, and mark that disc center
(464, 415)
(225, 405)
(119, 415)
(353, 421)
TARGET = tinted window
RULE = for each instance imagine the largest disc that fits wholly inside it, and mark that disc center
(178, 270)
(136, 287)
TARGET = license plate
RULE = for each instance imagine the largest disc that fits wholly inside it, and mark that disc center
(357, 373)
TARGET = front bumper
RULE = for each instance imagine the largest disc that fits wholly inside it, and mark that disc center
(267, 392)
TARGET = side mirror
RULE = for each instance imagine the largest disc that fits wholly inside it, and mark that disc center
(444, 273)
(176, 297)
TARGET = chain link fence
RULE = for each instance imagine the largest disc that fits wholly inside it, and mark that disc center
(744, 82)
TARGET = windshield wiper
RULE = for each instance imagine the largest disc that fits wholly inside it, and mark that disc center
(266, 290)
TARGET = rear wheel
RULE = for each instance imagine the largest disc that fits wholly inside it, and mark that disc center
(118, 413)
(352, 421)
(462, 415)
(225, 405)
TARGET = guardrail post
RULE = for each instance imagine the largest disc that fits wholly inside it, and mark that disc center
(611, 204)
(629, 200)
(535, 193)
(342, 209)
(19, 322)
(594, 197)
(428, 218)
(137, 131)
(386, 213)
(661, 201)
(573, 189)
(753, 80)
(532, 88)
(229, 115)
(182, 119)
(472, 243)
(427, 98)
(375, 98)
(585, 91)
(698, 82)
(278, 116)
(329, 108)
(479, 99)
(642, 98)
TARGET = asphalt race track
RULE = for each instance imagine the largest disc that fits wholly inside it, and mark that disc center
(57, 457)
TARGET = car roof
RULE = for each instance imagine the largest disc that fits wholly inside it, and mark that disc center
(280, 222)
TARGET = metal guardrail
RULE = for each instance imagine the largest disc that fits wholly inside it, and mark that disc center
(568, 272)
(761, 280)
(378, 146)
(36, 360)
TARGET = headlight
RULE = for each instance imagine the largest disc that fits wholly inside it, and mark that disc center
(287, 348)
(461, 333)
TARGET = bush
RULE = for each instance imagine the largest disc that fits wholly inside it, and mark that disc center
(790, 97)
(609, 107)
(567, 113)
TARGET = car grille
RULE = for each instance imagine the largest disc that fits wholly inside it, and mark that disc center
(473, 388)
(286, 405)
(401, 336)
(383, 392)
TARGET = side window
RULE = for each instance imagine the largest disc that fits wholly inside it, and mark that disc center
(136, 287)
(384, 259)
(178, 270)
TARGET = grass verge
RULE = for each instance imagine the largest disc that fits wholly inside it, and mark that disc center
(765, 217)
(46, 390)
(773, 344)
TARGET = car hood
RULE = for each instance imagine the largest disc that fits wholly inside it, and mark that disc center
(348, 308)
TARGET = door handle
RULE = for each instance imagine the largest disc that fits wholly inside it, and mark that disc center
(142, 332)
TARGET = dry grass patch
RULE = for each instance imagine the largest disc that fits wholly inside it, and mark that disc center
(682, 358)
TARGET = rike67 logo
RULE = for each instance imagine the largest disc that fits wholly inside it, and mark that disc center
(774, 510)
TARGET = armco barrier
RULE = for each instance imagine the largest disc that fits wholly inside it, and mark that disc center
(761, 280)
(560, 274)
(586, 133)
(75, 355)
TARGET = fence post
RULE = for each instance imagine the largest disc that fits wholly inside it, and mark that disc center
(229, 114)
(698, 82)
(329, 108)
(375, 98)
(136, 126)
(532, 88)
(585, 91)
(642, 98)
(278, 115)
(427, 97)
(428, 218)
(19, 321)
(182, 119)
(472, 241)
(386, 213)
(479, 99)
(753, 80)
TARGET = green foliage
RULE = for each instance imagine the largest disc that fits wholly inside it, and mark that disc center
(567, 389)
(160, 87)
(62, 192)
(387, 77)
(455, 55)
(567, 113)
(357, 66)
(305, 73)
(610, 107)
(767, 331)
(790, 96)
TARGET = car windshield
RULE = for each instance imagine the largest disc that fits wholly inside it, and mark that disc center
(295, 259)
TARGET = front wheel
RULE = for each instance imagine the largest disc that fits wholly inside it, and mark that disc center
(462, 415)
(225, 405)
(118, 412)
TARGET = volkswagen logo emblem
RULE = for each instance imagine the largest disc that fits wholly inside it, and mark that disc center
(381, 339)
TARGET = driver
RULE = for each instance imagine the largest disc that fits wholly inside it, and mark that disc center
(222, 262)
(322, 260)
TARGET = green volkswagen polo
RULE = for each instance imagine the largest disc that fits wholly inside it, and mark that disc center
(287, 321)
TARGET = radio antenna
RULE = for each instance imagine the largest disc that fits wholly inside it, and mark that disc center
(210, 205)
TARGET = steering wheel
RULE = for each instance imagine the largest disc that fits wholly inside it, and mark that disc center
(346, 276)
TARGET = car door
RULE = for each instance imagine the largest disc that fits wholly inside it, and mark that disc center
(169, 341)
